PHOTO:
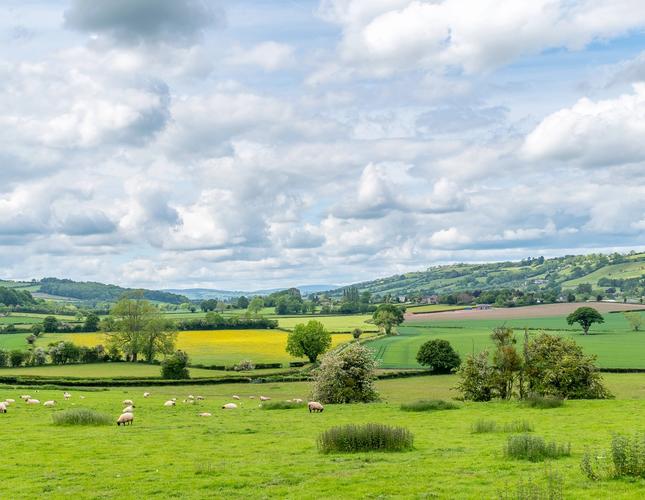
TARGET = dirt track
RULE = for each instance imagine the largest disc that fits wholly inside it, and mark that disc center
(541, 311)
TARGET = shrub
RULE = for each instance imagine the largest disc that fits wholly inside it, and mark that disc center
(244, 366)
(476, 378)
(368, 437)
(482, 426)
(534, 448)
(439, 356)
(281, 405)
(81, 416)
(4, 357)
(175, 366)
(429, 405)
(17, 358)
(537, 401)
(626, 458)
(552, 489)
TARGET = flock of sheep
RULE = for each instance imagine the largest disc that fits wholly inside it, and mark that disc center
(127, 415)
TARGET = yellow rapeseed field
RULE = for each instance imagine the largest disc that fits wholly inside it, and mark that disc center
(214, 347)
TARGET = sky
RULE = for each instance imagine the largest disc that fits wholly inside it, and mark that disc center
(265, 143)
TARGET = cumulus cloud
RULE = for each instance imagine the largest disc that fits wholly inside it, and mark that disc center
(136, 21)
(269, 56)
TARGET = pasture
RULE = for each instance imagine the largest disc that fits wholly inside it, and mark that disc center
(250, 453)
(613, 341)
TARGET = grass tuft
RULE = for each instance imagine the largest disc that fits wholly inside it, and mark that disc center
(282, 405)
(429, 405)
(552, 488)
(483, 425)
(81, 416)
(544, 402)
(368, 437)
(534, 448)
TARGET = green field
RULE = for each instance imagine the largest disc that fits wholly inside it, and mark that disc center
(616, 271)
(251, 453)
(426, 308)
(613, 342)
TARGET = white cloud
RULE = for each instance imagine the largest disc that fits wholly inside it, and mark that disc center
(269, 56)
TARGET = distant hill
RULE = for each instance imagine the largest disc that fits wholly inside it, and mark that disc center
(605, 273)
(213, 293)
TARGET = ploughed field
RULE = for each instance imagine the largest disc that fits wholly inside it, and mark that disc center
(252, 453)
(615, 344)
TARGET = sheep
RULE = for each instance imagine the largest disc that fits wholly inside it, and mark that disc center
(128, 409)
(189, 401)
(3, 408)
(33, 402)
(169, 403)
(229, 406)
(125, 418)
(251, 397)
(146, 394)
(25, 397)
(174, 399)
(200, 398)
(314, 406)
(297, 400)
(205, 414)
(235, 396)
(49, 403)
(128, 402)
(265, 398)
(67, 395)
(9, 400)
(82, 397)
(190, 396)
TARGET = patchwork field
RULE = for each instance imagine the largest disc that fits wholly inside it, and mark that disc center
(250, 452)
(613, 342)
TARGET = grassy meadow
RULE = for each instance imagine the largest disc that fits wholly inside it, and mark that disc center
(613, 342)
(250, 453)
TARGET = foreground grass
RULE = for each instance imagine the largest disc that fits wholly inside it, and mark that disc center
(250, 453)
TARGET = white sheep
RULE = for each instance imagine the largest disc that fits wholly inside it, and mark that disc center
(82, 397)
(200, 398)
(297, 400)
(25, 397)
(146, 394)
(49, 403)
(128, 409)
(169, 403)
(3, 408)
(205, 414)
(265, 398)
(229, 406)
(235, 396)
(251, 397)
(125, 418)
(314, 406)
(67, 395)
(33, 402)
(128, 402)
(190, 396)
(9, 400)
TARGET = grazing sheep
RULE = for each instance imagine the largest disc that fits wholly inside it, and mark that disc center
(297, 400)
(265, 398)
(125, 418)
(200, 398)
(128, 409)
(8, 400)
(251, 397)
(169, 403)
(128, 402)
(3, 408)
(49, 403)
(33, 402)
(314, 406)
(25, 397)
(189, 401)
(190, 396)
(174, 399)
(235, 396)
(205, 414)
(146, 394)
(229, 406)
(82, 397)
(67, 395)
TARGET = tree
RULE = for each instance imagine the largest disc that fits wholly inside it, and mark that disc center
(439, 356)
(92, 322)
(309, 340)
(17, 358)
(635, 320)
(585, 317)
(388, 316)
(4, 357)
(255, 306)
(36, 329)
(356, 333)
(175, 366)
(39, 356)
(476, 378)
(50, 324)
(132, 316)
(208, 305)
(242, 302)
(159, 337)
(346, 377)
(507, 363)
(62, 353)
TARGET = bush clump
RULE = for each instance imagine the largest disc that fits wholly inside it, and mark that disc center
(544, 402)
(439, 356)
(81, 416)
(281, 405)
(368, 437)
(534, 448)
(175, 366)
(429, 405)
(552, 488)
(626, 458)
(483, 426)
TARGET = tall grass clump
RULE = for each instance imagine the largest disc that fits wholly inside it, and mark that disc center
(81, 416)
(281, 405)
(368, 437)
(543, 402)
(482, 426)
(429, 405)
(625, 458)
(534, 448)
(552, 488)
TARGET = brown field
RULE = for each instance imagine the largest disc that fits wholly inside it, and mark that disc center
(540, 311)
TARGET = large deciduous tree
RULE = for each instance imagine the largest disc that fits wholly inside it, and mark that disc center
(310, 340)
(387, 317)
(439, 356)
(585, 317)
